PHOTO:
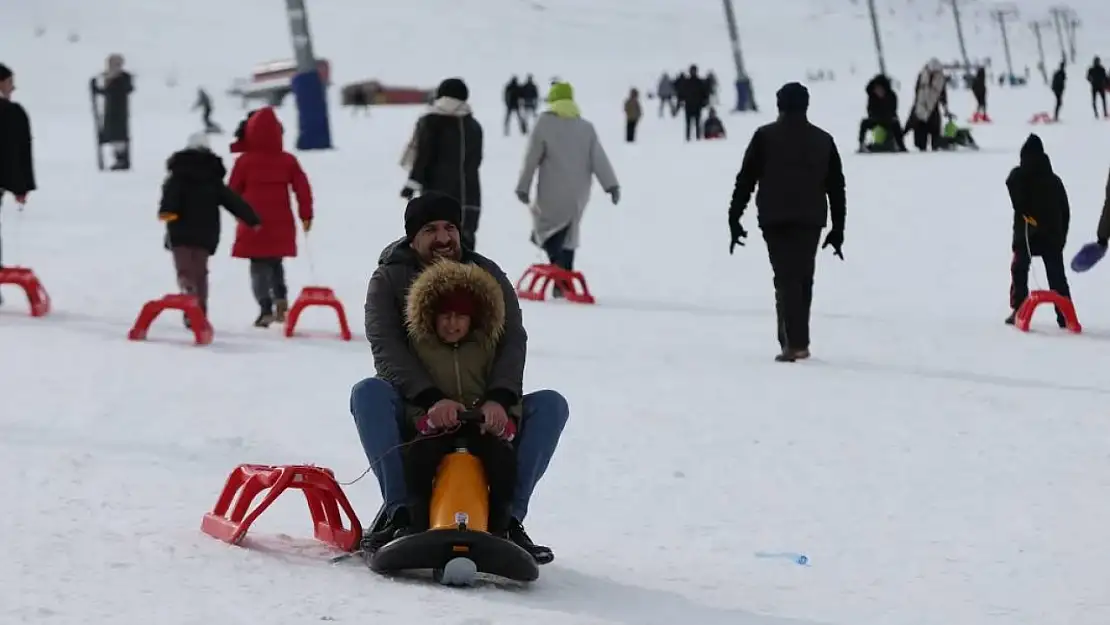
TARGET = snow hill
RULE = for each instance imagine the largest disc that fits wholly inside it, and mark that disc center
(934, 465)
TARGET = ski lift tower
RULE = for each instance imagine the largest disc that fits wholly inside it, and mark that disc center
(307, 85)
(745, 97)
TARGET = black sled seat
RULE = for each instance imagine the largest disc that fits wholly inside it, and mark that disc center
(457, 545)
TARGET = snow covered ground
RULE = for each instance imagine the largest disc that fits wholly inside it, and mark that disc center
(934, 465)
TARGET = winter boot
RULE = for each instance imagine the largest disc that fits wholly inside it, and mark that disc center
(281, 309)
(539, 553)
(399, 524)
(792, 355)
(1010, 319)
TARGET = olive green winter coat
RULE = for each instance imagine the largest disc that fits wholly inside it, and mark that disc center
(460, 370)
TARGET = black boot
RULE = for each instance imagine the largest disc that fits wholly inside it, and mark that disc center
(399, 524)
(539, 553)
(266, 317)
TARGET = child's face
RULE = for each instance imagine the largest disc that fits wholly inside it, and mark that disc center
(452, 327)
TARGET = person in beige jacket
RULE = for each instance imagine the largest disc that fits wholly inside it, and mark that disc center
(566, 152)
(632, 114)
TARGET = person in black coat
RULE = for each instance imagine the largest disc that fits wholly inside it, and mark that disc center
(1100, 82)
(445, 153)
(882, 111)
(979, 90)
(1040, 227)
(693, 91)
(192, 195)
(116, 86)
(800, 178)
(17, 171)
(1059, 84)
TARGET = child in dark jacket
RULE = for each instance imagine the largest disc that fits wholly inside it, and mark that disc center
(192, 195)
(1040, 226)
(455, 314)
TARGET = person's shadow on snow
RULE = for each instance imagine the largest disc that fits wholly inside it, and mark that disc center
(573, 592)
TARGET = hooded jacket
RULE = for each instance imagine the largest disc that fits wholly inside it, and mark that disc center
(192, 195)
(1037, 193)
(17, 170)
(881, 108)
(446, 149)
(394, 358)
(461, 370)
(263, 175)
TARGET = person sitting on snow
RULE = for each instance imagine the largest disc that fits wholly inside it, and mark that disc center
(455, 315)
(952, 136)
(432, 232)
(713, 128)
(882, 113)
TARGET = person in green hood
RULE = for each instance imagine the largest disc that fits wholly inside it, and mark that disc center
(565, 150)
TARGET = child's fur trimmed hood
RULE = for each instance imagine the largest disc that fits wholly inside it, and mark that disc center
(446, 276)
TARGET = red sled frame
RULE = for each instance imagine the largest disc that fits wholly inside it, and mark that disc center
(317, 296)
(26, 279)
(326, 502)
(1024, 316)
(533, 284)
(188, 304)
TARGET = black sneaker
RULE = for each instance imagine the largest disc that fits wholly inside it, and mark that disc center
(398, 525)
(539, 553)
(1010, 319)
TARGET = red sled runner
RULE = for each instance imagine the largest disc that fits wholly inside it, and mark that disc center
(32, 287)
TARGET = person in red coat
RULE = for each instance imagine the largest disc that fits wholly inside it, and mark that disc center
(263, 176)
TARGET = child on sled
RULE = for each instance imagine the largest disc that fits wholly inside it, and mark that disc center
(952, 136)
(455, 314)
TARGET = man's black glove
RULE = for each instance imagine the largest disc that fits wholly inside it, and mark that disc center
(835, 238)
(737, 231)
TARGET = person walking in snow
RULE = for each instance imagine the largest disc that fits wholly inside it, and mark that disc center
(445, 154)
(979, 90)
(930, 97)
(801, 180)
(565, 150)
(530, 97)
(633, 111)
(116, 86)
(1100, 82)
(1040, 225)
(665, 92)
(263, 175)
(694, 93)
(1059, 83)
(192, 195)
(17, 168)
(514, 101)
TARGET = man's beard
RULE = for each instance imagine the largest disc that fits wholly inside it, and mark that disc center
(448, 250)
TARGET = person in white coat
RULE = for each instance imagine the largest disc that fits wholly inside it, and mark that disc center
(566, 152)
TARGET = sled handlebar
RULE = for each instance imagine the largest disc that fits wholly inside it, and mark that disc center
(473, 417)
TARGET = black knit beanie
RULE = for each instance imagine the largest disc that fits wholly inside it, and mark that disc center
(430, 207)
(5, 72)
(453, 88)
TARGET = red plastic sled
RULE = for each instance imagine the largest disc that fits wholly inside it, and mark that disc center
(1024, 314)
(324, 495)
(317, 296)
(1042, 118)
(535, 280)
(26, 279)
(202, 330)
(980, 118)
